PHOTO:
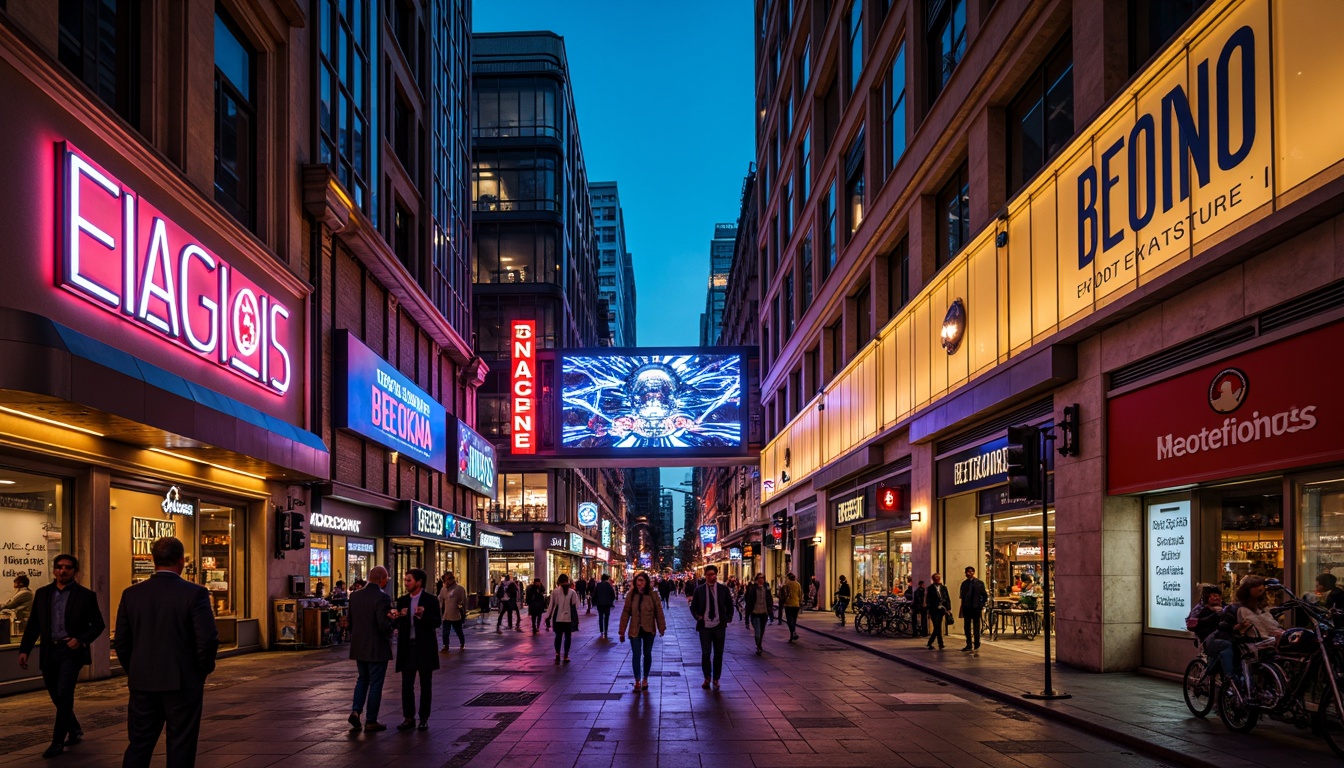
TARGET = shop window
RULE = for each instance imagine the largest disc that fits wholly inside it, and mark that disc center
(1012, 573)
(235, 123)
(1320, 515)
(32, 518)
(881, 562)
(99, 42)
(1251, 530)
(213, 535)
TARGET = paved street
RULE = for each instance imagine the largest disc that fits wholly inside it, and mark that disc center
(816, 703)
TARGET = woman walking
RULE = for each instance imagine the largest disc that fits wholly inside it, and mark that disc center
(842, 600)
(535, 597)
(642, 616)
(760, 604)
(563, 614)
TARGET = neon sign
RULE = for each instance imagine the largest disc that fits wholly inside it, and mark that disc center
(475, 461)
(122, 254)
(375, 400)
(524, 376)
(588, 514)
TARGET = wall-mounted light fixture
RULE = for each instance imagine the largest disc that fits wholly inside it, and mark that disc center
(916, 515)
(817, 539)
(783, 477)
(954, 327)
(395, 455)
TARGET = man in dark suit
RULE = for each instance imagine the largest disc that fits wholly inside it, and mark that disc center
(712, 607)
(66, 617)
(370, 616)
(166, 642)
(973, 599)
(416, 617)
(939, 606)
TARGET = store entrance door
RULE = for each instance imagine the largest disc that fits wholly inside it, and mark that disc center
(406, 555)
(807, 564)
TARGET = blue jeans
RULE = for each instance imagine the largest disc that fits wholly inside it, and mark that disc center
(1224, 653)
(641, 655)
(758, 621)
(370, 687)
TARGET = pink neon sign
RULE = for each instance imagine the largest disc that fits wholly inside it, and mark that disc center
(122, 254)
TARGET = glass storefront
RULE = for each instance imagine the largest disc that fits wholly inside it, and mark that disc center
(213, 534)
(333, 558)
(1320, 525)
(32, 512)
(558, 563)
(1250, 530)
(1012, 565)
(881, 562)
(406, 554)
(520, 565)
(522, 499)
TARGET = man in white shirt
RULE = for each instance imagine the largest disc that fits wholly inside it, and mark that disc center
(712, 607)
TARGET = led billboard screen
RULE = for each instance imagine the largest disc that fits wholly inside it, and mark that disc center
(652, 402)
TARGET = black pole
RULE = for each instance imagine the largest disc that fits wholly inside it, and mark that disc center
(1047, 437)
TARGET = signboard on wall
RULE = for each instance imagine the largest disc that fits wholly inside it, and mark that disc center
(709, 534)
(523, 382)
(1262, 411)
(378, 402)
(475, 461)
(588, 514)
(144, 532)
(606, 533)
(1169, 582)
(431, 523)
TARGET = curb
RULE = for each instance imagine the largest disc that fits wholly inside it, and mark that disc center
(1090, 726)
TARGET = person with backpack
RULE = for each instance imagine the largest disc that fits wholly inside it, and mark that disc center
(535, 598)
(603, 598)
(920, 616)
(508, 604)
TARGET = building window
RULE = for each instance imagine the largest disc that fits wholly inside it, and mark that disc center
(1040, 119)
(403, 238)
(954, 220)
(805, 65)
(855, 44)
(898, 278)
(517, 107)
(946, 42)
(774, 323)
(805, 167)
(854, 183)
(515, 181)
(516, 253)
(788, 305)
(235, 123)
(805, 271)
(836, 341)
(1152, 24)
(828, 233)
(796, 392)
(894, 107)
(786, 117)
(346, 95)
(99, 42)
(786, 213)
(403, 139)
(522, 499)
(863, 316)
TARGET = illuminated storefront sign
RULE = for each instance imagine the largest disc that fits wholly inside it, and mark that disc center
(475, 461)
(588, 514)
(576, 543)
(489, 540)
(709, 534)
(377, 401)
(174, 505)
(364, 547)
(523, 387)
(430, 523)
(606, 533)
(122, 254)
(1169, 578)
(324, 521)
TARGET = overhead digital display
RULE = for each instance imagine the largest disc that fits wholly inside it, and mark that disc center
(377, 401)
(652, 401)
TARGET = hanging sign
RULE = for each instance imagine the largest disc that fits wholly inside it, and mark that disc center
(524, 379)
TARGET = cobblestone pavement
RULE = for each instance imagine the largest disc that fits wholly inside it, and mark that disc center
(816, 703)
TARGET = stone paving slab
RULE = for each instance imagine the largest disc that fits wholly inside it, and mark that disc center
(1142, 711)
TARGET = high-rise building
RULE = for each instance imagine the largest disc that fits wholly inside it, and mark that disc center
(536, 259)
(616, 270)
(666, 541)
(720, 262)
(1111, 219)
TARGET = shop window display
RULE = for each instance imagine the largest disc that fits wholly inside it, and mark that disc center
(1013, 554)
(32, 511)
(1320, 514)
(520, 566)
(522, 499)
(1251, 535)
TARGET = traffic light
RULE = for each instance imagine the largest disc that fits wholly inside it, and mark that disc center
(297, 538)
(289, 534)
(1024, 463)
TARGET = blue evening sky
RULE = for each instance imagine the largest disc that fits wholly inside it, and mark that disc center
(664, 98)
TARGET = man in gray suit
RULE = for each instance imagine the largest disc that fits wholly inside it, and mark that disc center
(166, 642)
(370, 646)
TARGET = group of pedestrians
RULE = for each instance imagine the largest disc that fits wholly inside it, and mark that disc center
(165, 641)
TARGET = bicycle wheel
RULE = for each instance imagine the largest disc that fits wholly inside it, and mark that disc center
(1030, 626)
(901, 624)
(1332, 722)
(1197, 689)
(1233, 710)
(861, 623)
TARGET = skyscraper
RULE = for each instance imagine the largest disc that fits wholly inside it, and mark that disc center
(616, 270)
(720, 264)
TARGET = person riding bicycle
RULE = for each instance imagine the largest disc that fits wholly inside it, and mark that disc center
(1204, 621)
(842, 600)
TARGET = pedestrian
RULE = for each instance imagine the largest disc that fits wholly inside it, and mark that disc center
(641, 617)
(939, 606)
(712, 607)
(65, 618)
(453, 608)
(166, 642)
(535, 597)
(665, 591)
(592, 590)
(563, 614)
(813, 593)
(759, 605)
(779, 600)
(508, 604)
(793, 602)
(973, 596)
(921, 616)
(371, 647)
(842, 599)
(603, 598)
(416, 617)
(581, 586)
(21, 602)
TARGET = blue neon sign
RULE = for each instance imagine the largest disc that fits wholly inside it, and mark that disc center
(377, 401)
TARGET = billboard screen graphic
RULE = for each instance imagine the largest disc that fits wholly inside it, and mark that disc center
(684, 401)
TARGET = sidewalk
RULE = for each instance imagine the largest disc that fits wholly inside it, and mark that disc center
(1143, 712)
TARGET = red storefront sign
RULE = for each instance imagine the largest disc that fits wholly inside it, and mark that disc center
(1273, 408)
(524, 375)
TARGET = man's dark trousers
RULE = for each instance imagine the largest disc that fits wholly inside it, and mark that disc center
(603, 618)
(145, 717)
(408, 675)
(713, 638)
(969, 623)
(60, 672)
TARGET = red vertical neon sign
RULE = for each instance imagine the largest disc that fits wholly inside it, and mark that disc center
(523, 386)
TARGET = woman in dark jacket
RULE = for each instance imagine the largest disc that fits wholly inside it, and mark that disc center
(842, 599)
(535, 597)
(760, 604)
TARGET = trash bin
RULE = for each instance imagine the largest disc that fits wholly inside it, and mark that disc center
(287, 621)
